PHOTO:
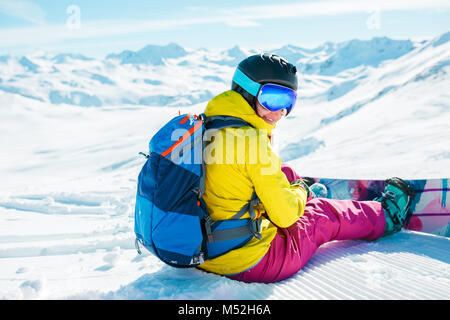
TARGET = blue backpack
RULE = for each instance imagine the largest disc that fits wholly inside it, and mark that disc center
(171, 218)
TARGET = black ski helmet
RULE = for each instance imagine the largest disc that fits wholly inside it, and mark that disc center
(265, 68)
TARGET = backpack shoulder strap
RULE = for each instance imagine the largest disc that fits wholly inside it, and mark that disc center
(216, 123)
(253, 227)
(220, 122)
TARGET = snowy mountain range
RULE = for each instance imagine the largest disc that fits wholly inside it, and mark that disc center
(155, 75)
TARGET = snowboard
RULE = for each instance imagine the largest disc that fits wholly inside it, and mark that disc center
(430, 207)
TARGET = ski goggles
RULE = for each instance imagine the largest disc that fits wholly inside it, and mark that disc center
(271, 96)
(274, 97)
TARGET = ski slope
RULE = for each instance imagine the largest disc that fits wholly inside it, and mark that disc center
(69, 173)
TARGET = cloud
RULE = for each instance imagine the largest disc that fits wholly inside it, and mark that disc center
(328, 8)
(245, 16)
(242, 23)
(24, 10)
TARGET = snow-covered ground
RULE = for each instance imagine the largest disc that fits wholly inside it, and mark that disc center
(71, 129)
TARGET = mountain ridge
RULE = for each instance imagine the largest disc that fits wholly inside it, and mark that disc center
(158, 75)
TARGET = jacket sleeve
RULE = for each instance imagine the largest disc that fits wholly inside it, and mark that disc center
(283, 203)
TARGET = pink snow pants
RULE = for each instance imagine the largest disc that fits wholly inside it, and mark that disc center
(323, 220)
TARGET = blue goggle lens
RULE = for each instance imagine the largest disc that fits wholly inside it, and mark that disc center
(274, 97)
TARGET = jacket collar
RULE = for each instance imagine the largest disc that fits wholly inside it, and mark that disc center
(231, 103)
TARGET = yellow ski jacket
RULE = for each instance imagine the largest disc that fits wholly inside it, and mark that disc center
(240, 161)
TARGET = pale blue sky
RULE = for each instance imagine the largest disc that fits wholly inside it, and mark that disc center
(99, 27)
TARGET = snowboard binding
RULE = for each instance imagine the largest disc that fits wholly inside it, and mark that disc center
(396, 201)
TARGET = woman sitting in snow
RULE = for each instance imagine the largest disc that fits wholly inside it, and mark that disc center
(294, 222)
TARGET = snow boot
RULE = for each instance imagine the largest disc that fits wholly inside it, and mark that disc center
(318, 189)
(396, 201)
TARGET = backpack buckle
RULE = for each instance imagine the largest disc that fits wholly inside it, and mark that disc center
(208, 223)
(255, 228)
(202, 117)
(136, 245)
(198, 259)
